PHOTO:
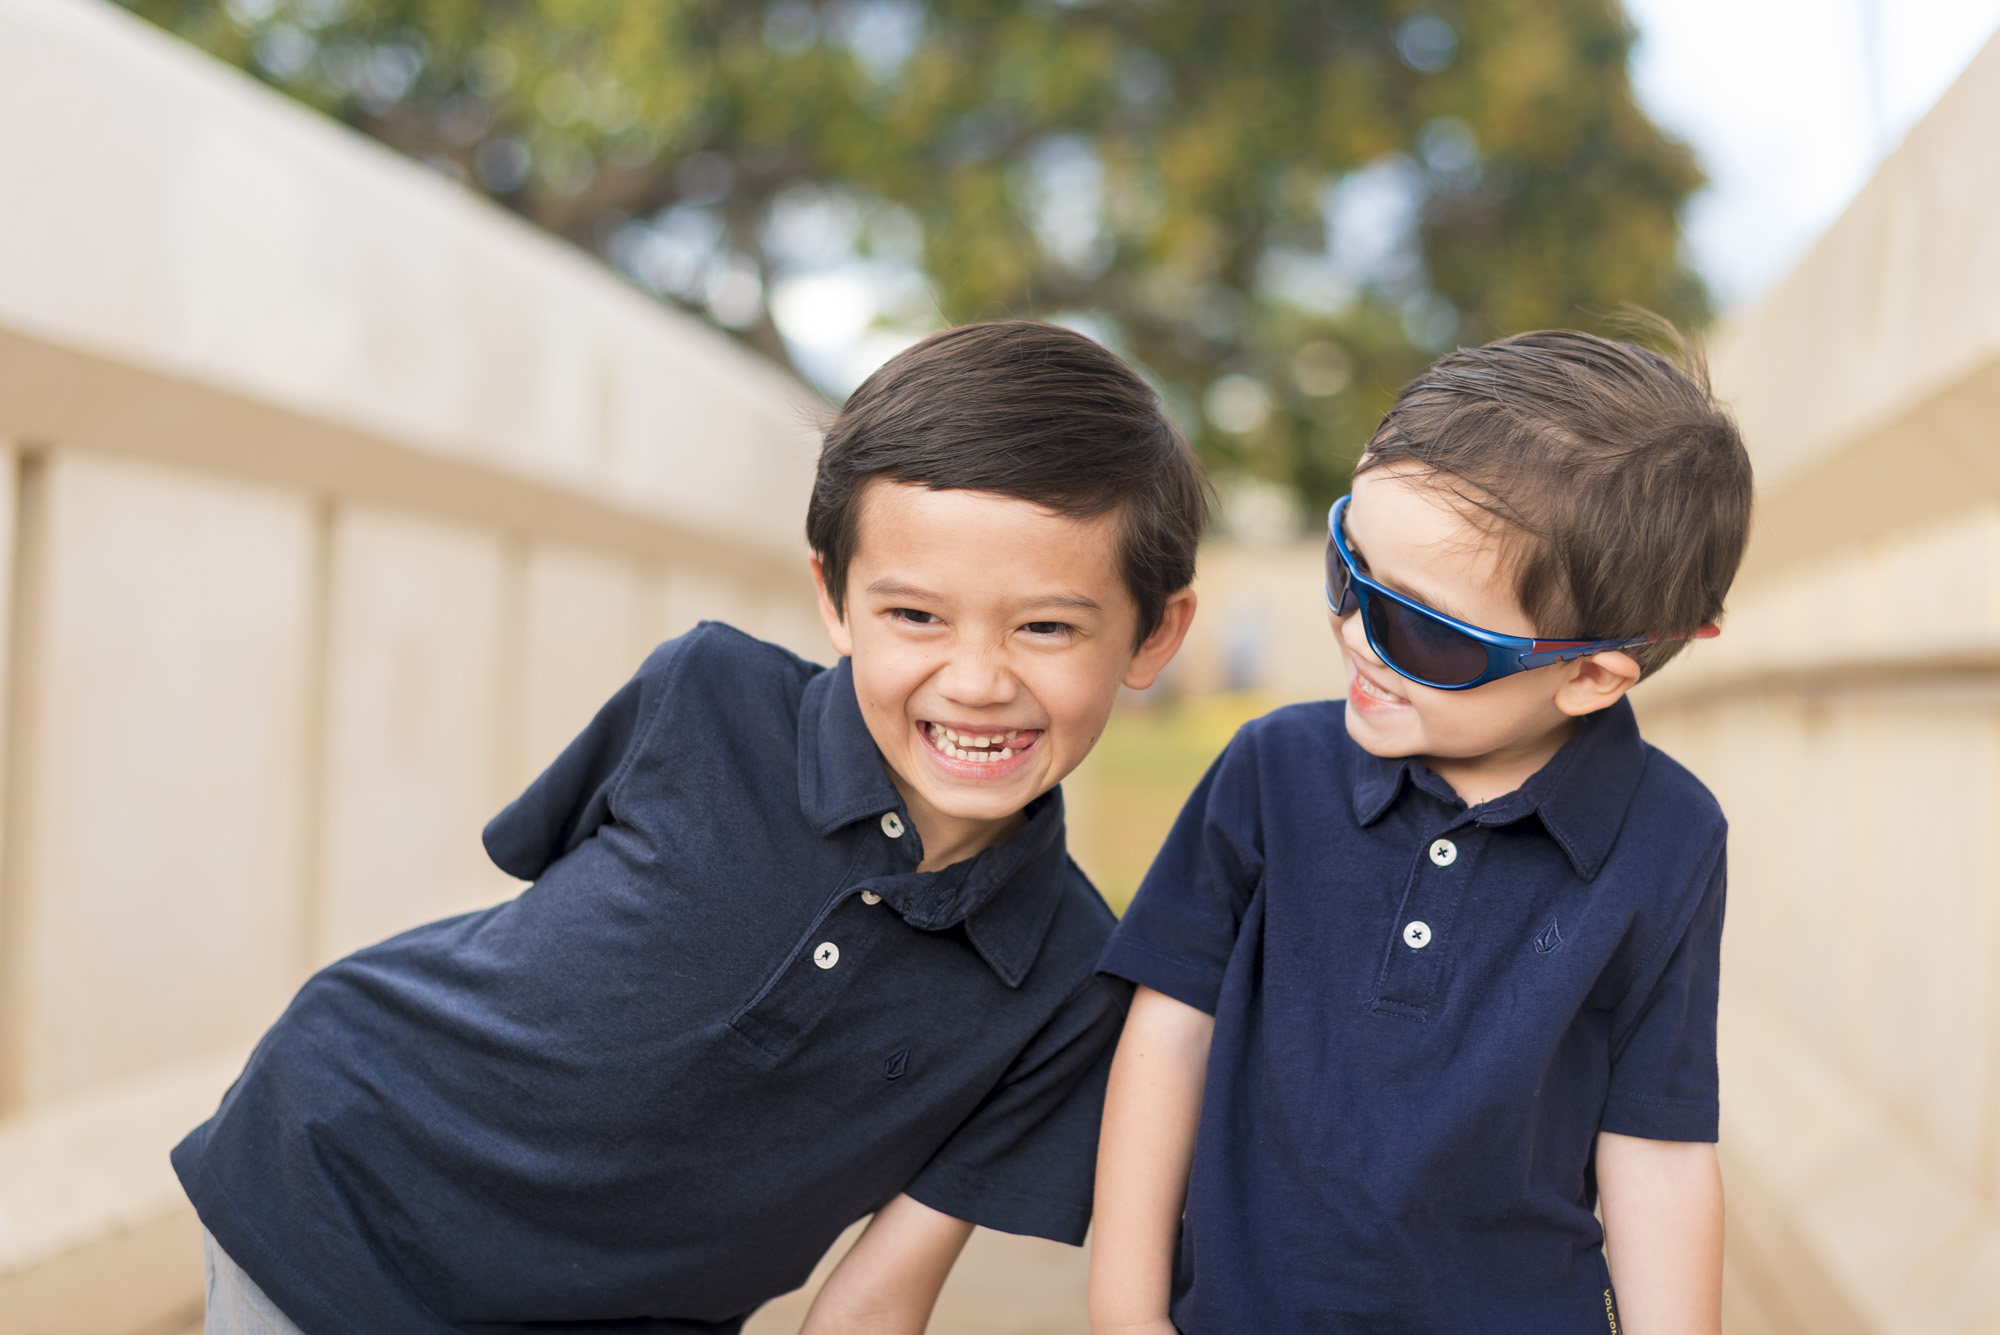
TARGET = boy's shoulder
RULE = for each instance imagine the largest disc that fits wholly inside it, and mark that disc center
(1670, 789)
(716, 679)
(717, 654)
(1312, 722)
(704, 702)
(1310, 734)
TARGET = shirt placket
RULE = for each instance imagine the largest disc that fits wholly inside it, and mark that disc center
(1421, 940)
(837, 948)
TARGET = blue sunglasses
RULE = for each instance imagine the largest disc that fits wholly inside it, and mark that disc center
(1433, 649)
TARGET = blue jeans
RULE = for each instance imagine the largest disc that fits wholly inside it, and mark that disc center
(236, 1306)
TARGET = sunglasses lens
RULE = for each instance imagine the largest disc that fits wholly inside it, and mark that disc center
(1339, 589)
(1421, 647)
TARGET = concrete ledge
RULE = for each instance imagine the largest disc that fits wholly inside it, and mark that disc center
(51, 394)
(1923, 602)
(96, 1237)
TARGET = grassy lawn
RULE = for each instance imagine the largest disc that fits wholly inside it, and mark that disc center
(1123, 799)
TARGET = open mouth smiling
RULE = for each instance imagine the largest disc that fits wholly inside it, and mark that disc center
(989, 746)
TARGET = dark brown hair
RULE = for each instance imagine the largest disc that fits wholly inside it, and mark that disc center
(1623, 479)
(1032, 411)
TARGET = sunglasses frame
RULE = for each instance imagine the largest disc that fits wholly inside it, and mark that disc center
(1505, 654)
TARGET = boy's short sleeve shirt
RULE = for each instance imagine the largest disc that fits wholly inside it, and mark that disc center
(1424, 1014)
(728, 1019)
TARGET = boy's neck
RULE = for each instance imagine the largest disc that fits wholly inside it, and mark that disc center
(948, 839)
(1478, 779)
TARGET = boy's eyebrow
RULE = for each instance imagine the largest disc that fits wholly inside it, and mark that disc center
(1074, 601)
(892, 588)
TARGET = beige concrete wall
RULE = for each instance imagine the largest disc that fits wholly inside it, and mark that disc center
(1849, 720)
(332, 504)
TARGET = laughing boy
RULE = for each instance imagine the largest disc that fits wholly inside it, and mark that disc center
(803, 944)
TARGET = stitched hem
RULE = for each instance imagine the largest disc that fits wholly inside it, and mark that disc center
(1181, 979)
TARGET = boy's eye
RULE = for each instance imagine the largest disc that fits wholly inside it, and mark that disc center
(1048, 628)
(913, 617)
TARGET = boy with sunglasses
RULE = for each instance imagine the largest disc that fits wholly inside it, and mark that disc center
(1428, 977)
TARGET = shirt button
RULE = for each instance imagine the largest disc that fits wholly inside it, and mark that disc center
(826, 954)
(1444, 852)
(892, 825)
(870, 897)
(1416, 935)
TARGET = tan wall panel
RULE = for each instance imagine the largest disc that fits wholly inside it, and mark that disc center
(414, 675)
(1926, 1033)
(1865, 893)
(581, 619)
(160, 771)
(790, 616)
(674, 598)
(679, 597)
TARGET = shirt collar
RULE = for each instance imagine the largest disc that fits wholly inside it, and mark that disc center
(1580, 796)
(842, 779)
(841, 774)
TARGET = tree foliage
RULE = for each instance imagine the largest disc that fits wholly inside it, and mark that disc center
(1280, 210)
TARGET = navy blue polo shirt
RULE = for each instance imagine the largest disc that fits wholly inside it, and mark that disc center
(729, 1018)
(1424, 1014)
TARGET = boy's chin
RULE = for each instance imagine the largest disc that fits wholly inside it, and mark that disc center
(965, 801)
(1383, 748)
(1388, 741)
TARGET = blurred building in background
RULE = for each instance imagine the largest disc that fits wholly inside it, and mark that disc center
(332, 502)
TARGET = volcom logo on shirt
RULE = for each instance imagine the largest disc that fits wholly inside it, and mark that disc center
(1548, 938)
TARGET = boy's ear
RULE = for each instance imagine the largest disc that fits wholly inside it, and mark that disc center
(1597, 682)
(1159, 648)
(835, 623)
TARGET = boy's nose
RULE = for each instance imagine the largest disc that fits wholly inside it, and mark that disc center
(1353, 637)
(976, 679)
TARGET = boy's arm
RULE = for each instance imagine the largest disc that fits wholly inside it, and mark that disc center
(889, 1280)
(1150, 1114)
(1662, 1202)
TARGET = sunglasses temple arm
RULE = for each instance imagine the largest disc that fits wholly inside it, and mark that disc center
(1708, 630)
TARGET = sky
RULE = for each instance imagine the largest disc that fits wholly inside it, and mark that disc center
(1789, 104)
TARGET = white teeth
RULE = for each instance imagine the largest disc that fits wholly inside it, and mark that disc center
(978, 750)
(1370, 688)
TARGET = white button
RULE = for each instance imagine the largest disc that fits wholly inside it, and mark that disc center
(1416, 935)
(826, 954)
(870, 897)
(892, 825)
(1444, 852)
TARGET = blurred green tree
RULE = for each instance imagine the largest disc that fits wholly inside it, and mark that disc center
(1280, 210)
